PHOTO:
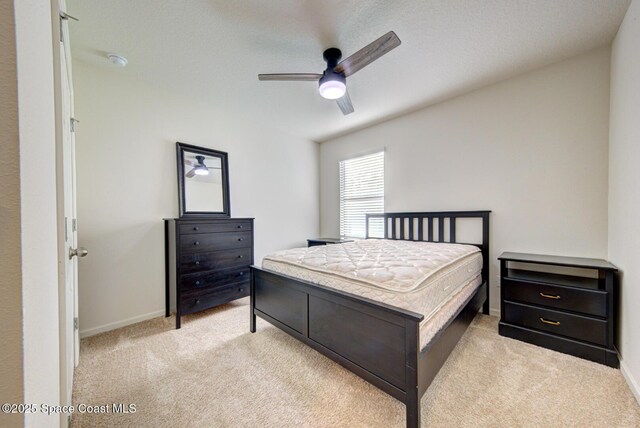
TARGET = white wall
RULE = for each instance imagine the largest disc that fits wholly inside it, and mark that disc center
(127, 183)
(36, 111)
(533, 149)
(624, 182)
(11, 372)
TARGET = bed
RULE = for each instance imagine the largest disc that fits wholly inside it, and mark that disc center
(396, 317)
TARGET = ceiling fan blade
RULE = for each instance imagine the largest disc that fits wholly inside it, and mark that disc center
(368, 54)
(191, 173)
(291, 76)
(344, 103)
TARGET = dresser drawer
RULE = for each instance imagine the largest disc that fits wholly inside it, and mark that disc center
(591, 302)
(215, 241)
(213, 279)
(197, 301)
(561, 323)
(199, 262)
(222, 226)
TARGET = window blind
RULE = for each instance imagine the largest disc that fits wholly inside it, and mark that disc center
(361, 192)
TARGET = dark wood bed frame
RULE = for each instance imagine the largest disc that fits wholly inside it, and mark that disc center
(378, 342)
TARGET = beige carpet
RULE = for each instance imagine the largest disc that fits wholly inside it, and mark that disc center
(214, 373)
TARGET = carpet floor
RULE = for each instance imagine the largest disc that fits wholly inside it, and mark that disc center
(214, 373)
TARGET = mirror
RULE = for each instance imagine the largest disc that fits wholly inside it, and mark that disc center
(203, 181)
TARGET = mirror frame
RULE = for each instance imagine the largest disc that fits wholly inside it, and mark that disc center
(224, 161)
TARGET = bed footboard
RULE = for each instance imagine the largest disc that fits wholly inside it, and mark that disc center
(377, 342)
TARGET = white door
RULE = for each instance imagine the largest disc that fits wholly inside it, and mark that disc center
(70, 341)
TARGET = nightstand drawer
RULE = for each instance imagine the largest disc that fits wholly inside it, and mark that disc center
(561, 323)
(591, 302)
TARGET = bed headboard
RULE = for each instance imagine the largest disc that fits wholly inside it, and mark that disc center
(403, 226)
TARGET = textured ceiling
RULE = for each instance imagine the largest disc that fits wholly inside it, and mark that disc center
(214, 49)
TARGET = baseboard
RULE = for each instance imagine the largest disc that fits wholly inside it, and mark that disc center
(494, 312)
(123, 323)
(633, 385)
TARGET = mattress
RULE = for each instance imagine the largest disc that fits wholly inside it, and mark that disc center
(418, 276)
(429, 328)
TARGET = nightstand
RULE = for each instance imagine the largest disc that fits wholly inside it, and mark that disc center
(570, 310)
(326, 241)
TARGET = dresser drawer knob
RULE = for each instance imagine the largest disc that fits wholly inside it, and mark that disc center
(196, 243)
(549, 321)
(550, 296)
(197, 282)
(196, 228)
(241, 274)
(240, 256)
(239, 226)
(240, 290)
(197, 301)
(197, 262)
(239, 239)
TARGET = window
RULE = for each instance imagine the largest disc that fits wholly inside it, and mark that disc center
(361, 192)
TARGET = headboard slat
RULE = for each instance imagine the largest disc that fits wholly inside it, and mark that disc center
(452, 230)
(411, 230)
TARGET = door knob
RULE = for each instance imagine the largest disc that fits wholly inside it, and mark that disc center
(80, 252)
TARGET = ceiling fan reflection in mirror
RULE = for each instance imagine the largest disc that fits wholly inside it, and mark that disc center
(333, 81)
(199, 167)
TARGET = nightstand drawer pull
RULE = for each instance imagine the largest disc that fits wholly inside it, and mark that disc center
(550, 296)
(549, 321)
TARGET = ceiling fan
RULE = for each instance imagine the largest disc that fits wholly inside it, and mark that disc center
(198, 167)
(333, 81)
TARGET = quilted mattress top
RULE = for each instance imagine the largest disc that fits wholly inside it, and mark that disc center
(394, 265)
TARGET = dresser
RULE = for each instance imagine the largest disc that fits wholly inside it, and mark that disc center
(206, 262)
(562, 303)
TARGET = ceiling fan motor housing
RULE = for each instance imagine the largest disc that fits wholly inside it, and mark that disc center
(333, 76)
(332, 57)
(332, 84)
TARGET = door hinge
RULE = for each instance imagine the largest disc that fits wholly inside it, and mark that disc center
(65, 16)
(75, 323)
(73, 124)
(74, 225)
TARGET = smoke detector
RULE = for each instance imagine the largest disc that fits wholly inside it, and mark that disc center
(118, 60)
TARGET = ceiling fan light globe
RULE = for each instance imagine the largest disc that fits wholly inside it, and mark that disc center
(332, 89)
(201, 171)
